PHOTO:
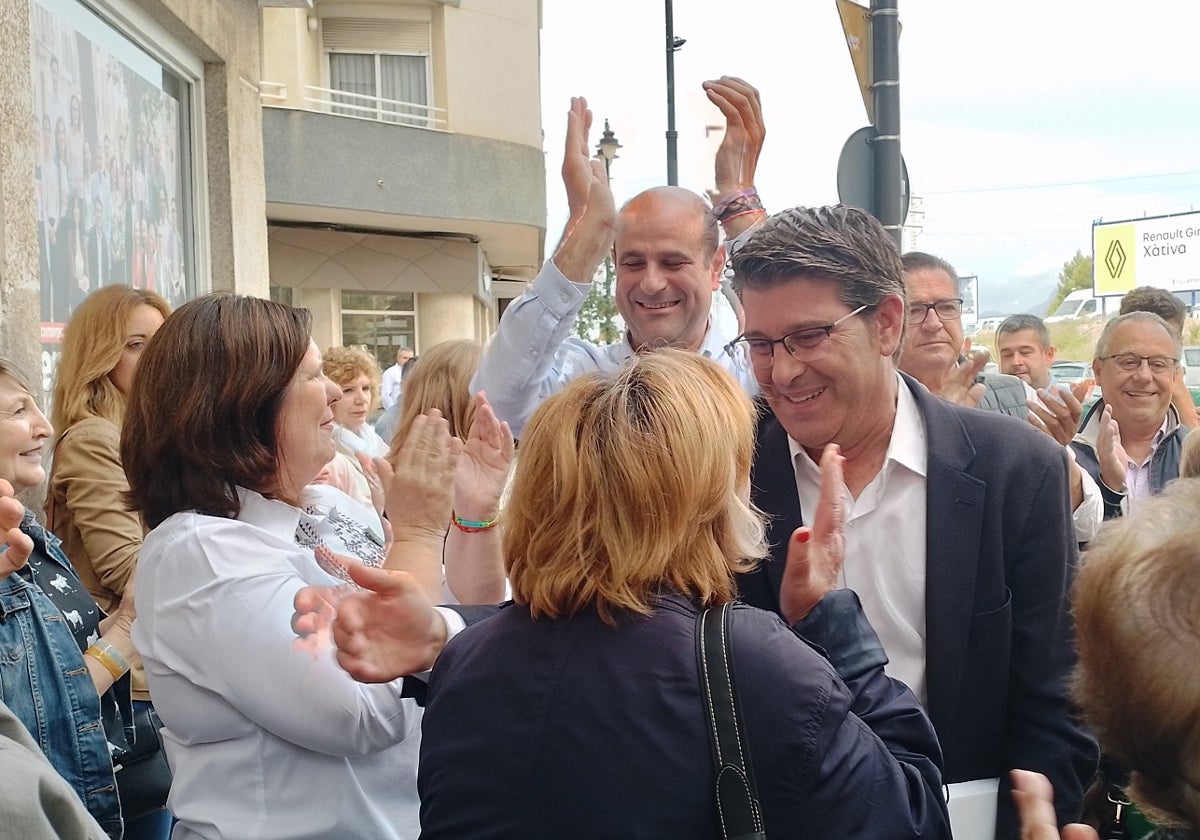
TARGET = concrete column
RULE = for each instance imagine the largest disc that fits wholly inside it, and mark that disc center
(326, 307)
(20, 286)
(443, 317)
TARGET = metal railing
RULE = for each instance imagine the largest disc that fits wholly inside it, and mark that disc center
(359, 105)
(272, 93)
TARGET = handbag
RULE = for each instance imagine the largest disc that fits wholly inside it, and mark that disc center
(143, 775)
(737, 797)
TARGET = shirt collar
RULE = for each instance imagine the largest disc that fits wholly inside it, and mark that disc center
(272, 515)
(907, 447)
(711, 347)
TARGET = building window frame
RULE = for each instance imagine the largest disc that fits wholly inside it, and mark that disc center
(374, 105)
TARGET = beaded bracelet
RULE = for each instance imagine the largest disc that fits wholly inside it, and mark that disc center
(112, 659)
(472, 527)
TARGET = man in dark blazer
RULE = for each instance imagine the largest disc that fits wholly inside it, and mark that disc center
(982, 497)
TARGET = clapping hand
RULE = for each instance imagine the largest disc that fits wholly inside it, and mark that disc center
(590, 228)
(960, 386)
(1034, 798)
(815, 554)
(388, 629)
(1110, 452)
(1057, 414)
(482, 469)
(20, 546)
(419, 482)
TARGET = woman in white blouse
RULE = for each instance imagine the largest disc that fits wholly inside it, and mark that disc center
(229, 420)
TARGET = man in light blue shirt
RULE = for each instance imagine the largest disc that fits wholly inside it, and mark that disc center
(666, 247)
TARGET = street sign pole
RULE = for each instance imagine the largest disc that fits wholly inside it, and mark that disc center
(885, 87)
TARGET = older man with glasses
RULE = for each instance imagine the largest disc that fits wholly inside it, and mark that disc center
(936, 352)
(958, 532)
(1130, 440)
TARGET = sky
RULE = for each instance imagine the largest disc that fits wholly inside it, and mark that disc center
(1021, 122)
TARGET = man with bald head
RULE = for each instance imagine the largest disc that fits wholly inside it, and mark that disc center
(668, 257)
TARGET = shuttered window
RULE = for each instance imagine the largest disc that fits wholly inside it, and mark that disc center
(383, 66)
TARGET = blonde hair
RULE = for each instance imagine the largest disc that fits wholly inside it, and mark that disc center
(93, 342)
(633, 484)
(1137, 618)
(440, 378)
(342, 364)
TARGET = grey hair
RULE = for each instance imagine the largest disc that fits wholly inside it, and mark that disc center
(1149, 318)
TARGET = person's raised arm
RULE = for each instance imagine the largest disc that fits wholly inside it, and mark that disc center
(590, 228)
(473, 557)
(737, 156)
(534, 352)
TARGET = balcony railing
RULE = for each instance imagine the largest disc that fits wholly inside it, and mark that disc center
(359, 105)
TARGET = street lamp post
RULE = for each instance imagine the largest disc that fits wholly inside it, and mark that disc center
(673, 44)
(599, 309)
(606, 149)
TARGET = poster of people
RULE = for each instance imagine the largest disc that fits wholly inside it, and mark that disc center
(110, 164)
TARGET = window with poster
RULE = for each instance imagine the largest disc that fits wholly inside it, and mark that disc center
(116, 104)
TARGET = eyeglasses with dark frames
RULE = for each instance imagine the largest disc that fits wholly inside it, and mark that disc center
(949, 309)
(802, 345)
(1130, 362)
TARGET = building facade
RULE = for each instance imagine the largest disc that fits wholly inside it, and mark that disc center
(130, 151)
(405, 176)
(400, 195)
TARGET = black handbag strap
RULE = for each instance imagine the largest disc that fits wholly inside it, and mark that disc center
(737, 796)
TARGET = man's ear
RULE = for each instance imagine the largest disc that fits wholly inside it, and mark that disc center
(718, 267)
(1050, 353)
(889, 316)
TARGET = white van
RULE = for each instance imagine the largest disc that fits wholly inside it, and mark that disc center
(1081, 304)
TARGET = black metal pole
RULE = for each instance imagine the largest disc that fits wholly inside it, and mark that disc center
(885, 89)
(672, 135)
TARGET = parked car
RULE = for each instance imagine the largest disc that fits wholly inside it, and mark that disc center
(1070, 373)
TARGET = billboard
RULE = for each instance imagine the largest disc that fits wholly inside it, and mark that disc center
(1161, 251)
(968, 290)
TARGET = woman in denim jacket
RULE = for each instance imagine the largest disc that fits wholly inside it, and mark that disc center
(63, 665)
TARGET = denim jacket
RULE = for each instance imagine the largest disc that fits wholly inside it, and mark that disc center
(44, 680)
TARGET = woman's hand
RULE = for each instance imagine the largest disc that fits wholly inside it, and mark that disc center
(815, 554)
(419, 484)
(387, 630)
(482, 471)
(20, 546)
(1034, 798)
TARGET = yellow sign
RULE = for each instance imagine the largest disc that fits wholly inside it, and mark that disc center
(1115, 255)
(856, 23)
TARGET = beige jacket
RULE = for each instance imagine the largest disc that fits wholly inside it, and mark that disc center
(86, 509)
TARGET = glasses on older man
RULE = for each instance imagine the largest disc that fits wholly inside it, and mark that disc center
(947, 310)
(1130, 362)
(803, 345)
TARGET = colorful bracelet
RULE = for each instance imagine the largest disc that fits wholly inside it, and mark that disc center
(112, 659)
(472, 527)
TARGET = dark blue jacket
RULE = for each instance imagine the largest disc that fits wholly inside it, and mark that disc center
(1164, 463)
(574, 728)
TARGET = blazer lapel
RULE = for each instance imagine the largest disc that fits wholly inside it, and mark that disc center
(773, 491)
(954, 502)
